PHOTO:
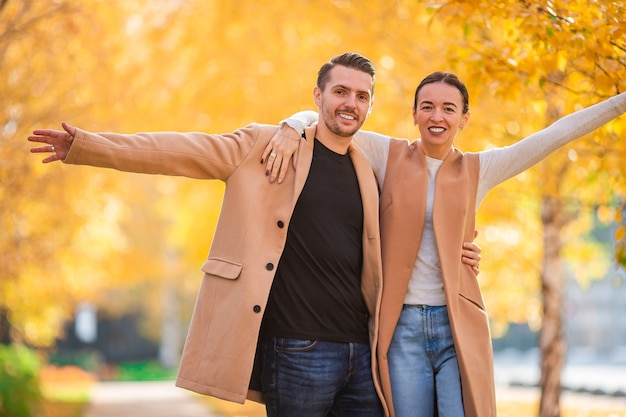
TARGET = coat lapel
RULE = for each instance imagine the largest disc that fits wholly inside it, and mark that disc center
(372, 271)
(305, 158)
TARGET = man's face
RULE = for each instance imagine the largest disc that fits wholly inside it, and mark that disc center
(345, 102)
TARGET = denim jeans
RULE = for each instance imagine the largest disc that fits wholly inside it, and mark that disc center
(424, 372)
(308, 378)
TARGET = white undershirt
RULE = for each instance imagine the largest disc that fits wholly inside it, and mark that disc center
(426, 284)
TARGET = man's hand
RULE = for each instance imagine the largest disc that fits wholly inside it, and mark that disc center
(471, 254)
(282, 147)
(57, 141)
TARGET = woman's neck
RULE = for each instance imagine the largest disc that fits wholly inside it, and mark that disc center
(436, 152)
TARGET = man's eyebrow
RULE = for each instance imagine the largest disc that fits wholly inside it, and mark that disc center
(344, 87)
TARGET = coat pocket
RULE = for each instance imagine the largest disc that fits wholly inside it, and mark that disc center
(469, 288)
(222, 268)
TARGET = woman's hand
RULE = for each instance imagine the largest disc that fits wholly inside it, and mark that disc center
(282, 147)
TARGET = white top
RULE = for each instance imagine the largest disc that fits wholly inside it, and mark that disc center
(496, 166)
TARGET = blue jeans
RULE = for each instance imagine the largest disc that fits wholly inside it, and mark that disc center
(308, 378)
(424, 372)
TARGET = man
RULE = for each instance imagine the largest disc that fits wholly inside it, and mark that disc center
(287, 309)
(255, 231)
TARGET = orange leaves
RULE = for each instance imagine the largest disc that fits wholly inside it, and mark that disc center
(214, 66)
(541, 38)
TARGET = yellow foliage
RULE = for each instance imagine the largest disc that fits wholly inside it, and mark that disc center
(605, 214)
(77, 233)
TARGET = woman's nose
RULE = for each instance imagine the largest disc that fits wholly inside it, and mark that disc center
(436, 115)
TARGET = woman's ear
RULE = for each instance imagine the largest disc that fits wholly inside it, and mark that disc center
(464, 121)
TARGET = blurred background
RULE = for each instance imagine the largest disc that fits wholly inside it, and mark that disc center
(99, 270)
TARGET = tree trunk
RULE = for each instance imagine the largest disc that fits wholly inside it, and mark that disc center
(5, 327)
(552, 343)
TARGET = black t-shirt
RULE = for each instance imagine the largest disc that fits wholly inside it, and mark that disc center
(316, 292)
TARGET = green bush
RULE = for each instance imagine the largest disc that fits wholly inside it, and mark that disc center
(144, 371)
(20, 391)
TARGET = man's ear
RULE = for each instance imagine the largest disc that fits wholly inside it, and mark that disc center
(317, 96)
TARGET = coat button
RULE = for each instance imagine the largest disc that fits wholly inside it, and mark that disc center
(280, 224)
(256, 309)
(269, 266)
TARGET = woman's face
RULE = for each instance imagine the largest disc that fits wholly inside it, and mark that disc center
(439, 116)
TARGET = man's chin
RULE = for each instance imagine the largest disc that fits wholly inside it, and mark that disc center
(346, 133)
(345, 130)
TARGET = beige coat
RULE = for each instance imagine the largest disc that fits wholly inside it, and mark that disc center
(248, 243)
(403, 208)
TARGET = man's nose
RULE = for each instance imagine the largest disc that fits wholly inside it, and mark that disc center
(351, 100)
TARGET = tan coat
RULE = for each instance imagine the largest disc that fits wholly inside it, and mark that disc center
(248, 243)
(403, 207)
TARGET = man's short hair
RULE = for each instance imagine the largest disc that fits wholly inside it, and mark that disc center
(348, 60)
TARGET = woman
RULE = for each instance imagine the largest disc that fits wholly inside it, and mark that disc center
(435, 352)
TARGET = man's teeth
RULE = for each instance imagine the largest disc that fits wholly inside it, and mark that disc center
(347, 116)
(436, 129)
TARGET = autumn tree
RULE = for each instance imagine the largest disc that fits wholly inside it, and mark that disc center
(557, 56)
(129, 241)
(28, 274)
(61, 242)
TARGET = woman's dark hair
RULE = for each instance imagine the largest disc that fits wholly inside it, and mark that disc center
(448, 78)
(348, 60)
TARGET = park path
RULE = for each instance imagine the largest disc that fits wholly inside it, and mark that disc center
(145, 399)
(163, 399)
